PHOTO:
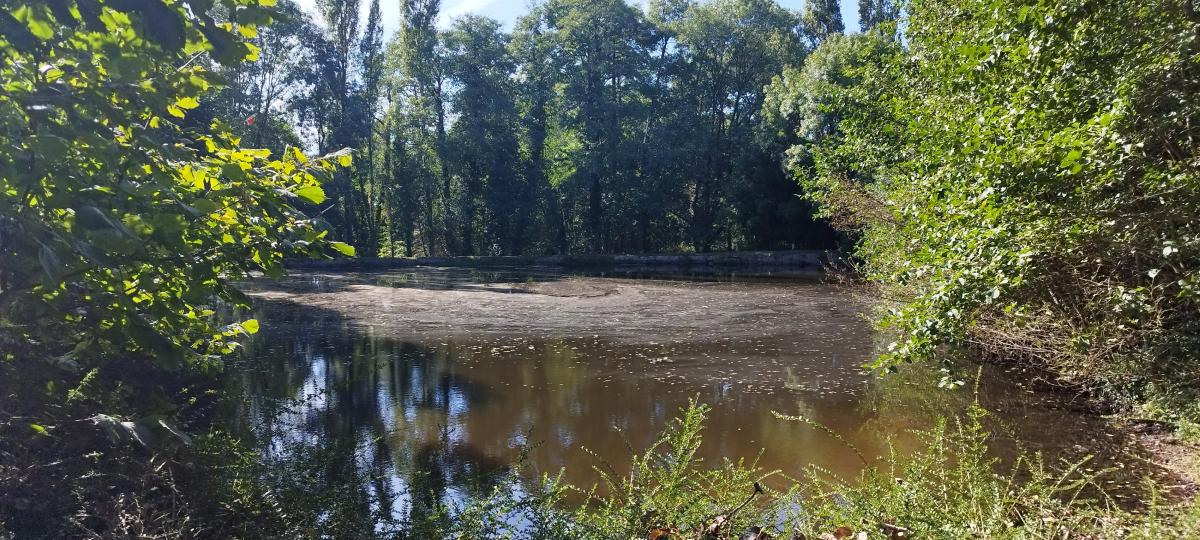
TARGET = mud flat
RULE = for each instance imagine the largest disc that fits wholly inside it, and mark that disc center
(454, 301)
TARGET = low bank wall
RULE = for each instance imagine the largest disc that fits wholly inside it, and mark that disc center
(794, 261)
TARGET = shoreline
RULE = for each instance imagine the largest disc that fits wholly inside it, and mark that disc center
(798, 262)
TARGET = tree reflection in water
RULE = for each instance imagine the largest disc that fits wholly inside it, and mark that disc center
(380, 433)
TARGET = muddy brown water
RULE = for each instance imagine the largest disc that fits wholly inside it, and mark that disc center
(430, 383)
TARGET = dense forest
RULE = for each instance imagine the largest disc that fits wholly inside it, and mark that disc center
(591, 127)
(1014, 181)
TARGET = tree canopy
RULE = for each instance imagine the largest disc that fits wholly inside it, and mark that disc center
(590, 127)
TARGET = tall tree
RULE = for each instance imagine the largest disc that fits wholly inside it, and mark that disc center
(369, 197)
(603, 48)
(732, 49)
(822, 18)
(872, 13)
(400, 179)
(421, 61)
(659, 204)
(331, 103)
(484, 137)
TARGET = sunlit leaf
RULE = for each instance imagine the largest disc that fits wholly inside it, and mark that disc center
(312, 194)
(343, 248)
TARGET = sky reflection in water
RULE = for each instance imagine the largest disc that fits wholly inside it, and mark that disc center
(430, 415)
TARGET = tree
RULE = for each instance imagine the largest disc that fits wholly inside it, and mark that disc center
(420, 59)
(602, 48)
(537, 65)
(810, 102)
(731, 50)
(1029, 197)
(369, 197)
(399, 179)
(873, 13)
(822, 18)
(484, 137)
(338, 124)
(123, 228)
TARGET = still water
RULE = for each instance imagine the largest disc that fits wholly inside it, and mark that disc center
(429, 384)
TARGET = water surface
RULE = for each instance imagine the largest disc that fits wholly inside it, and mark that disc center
(431, 383)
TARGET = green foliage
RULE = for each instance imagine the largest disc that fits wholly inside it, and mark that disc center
(591, 127)
(251, 96)
(484, 139)
(952, 488)
(122, 223)
(125, 219)
(874, 14)
(822, 20)
(1023, 179)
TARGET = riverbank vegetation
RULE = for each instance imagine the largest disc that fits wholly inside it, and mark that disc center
(1018, 177)
(945, 487)
(124, 221)
(1022, 181)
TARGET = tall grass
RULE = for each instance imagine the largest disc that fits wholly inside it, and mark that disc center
(951, 488)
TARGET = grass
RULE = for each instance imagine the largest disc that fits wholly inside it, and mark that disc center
(950, 488)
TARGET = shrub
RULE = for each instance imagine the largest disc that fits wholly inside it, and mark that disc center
(1022, 177)
(123, 224)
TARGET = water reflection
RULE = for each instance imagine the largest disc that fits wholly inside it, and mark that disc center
(390, 426)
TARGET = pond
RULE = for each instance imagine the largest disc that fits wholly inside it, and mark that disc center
(430, 384)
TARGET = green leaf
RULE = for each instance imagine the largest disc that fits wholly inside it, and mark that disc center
(39, 429)
(345, 160)
(1070, 159)
(250, 326)
(312, 194)
(40, 29)
(343, 248)
(187, 102)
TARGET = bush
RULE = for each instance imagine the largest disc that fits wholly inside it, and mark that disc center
(1023, 181)
(123, 226)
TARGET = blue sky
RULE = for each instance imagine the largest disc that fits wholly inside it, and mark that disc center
(507, 11)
